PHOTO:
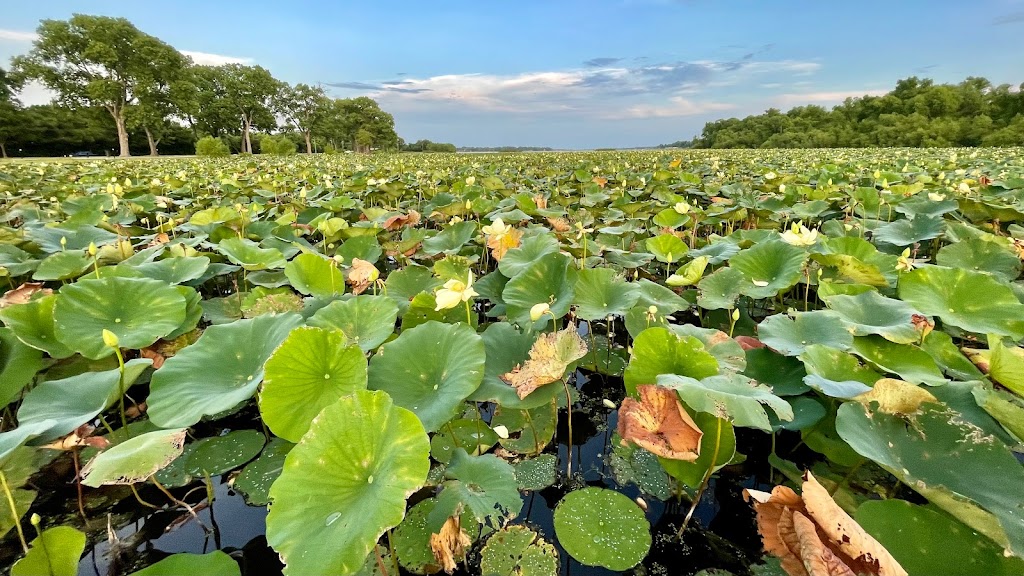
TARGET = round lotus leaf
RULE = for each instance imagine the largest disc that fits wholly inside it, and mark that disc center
(971, 301)
(909, 362)
(220, 370)
(249, 255)
(311, 369)
(532, 249)
(346, 483)
(667, 247)
(134, 460)
(926, 541)
(720, 289)
(529, 431)
(18, 365)
(32, 323)
(430, 369)
(735, 396)
(536, 473)
(450, 239)
(212, 456)
(506, 347)
(871, 313)
(484, 486)
(996, 258)
(63, 266)
(791, 335)
(473, 436)
(256, 478)
(631, 464)
(139, 311)
(726, 351)
(518, 550)
(55, 552)
(769, 268)
(907, 231)
(600, 527)
(70, 402)
(313, 274)
(174, 270)
(215, 563)
(548, 280)
(659, 351)
(366, 320)
(784, 374)
(600, 293)
(365, 247)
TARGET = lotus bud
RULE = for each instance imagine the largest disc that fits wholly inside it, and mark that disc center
(36, 519)
(110, 339)
(501, 431)
(652, 310)
(63, 242)
(471, 180)
(608, 404)
(641, 503)
(92, 248)
(735, 314)
(127, 182)
(539, 310)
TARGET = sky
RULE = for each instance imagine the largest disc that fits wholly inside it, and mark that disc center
(574, 74)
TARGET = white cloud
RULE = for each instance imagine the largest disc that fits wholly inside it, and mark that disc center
(677, 106)
(801, 98)
(207, 59)
(20, 36)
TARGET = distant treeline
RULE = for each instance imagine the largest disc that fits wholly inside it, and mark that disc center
(504, 149)
(917, 113)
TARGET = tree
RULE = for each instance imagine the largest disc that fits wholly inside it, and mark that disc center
(99, 61)
(348, 116)
(305, 107)
(10, 113)
(252, 92)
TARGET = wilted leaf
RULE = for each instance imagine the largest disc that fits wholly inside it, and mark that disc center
(659, 424)
(449, 545)
(22, 294)
(896, 396)
(550, 355)
(361, 275)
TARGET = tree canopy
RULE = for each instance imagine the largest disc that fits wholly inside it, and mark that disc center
(916, 113)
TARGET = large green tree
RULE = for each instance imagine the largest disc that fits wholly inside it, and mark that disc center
(10, 113)
(100, 61)
(305, 108)
(349, 117)
(251, 91)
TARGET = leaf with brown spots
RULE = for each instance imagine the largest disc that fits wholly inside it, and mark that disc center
(658, 423)
(361, 275)
(813, 536)
(449, 545)
(502, 243)
(550, 355)
(23, 294)
(161, 238)
(79, 438)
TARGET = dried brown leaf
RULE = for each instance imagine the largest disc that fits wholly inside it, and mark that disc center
(398, 220)
(559, 224)
(361, 275)
(449, 545)
(550, 355)
(658, 423)
(81, 437)
(22, 294)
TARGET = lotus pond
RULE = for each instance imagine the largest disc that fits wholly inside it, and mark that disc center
(654, 362)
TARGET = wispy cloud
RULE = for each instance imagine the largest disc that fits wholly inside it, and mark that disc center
(207, 59)
(19, 36)
(1011, 18)
(677, 106)
(601, 62)
(802, 98)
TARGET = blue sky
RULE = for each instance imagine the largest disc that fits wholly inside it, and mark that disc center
(576, 73)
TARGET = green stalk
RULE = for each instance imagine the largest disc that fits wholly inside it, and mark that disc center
(14, 511)
(706, 480)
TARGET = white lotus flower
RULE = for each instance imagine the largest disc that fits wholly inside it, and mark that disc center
(538, 311)
(963, 188)
(682, 207)
(471, 180)
(770, 176)
(454, 292)
(800, 235)
(936, 197)
(498, 228)
(501, 431)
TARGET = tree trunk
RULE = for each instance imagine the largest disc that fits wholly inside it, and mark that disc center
(309, 144)
(3, 150)
(122, 131)
(152, 143)
(246, 142)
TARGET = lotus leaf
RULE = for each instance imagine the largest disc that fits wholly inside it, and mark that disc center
(600, 527)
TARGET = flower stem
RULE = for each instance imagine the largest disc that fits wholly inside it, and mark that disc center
(14, 511)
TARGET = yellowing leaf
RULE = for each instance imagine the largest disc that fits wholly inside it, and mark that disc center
(550, 355)
(896, 396)
(659, 424)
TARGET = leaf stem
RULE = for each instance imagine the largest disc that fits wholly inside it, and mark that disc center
(706, 480)
(14, 511)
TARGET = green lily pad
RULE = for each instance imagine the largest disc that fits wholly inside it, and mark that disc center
(520, 551)
(769, 268)
(450, 240)
(529, 251)
(346, 483)
(726, 351)
(484, 486)
(536, 473)
(600, 527)
(968, 300)
(32, 323)
(430, 369)
(600, 293)
(212, 456)
(215, 563)
(63, 266)
(730, 396)
(220, 370)
(249, 255)
(909, 362)
(667, 248)
(930, 456)
(138, 311)
(907, 231)
(658, 351)
(473, 436)
(18, 365)
(784, 374)
(256, 478)
(720, 289)
(70, 402)
(926, 541)
(365, 247)
(548, 280)
(529, 431)
(871, 313)
(311, 369)
(1006, 364)
(790, 336)
(315, 275)
(835, 366)
(134, 460)
(631, 464)
(980, 255)
(174, 270)
(367, 320)
(55, 552)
